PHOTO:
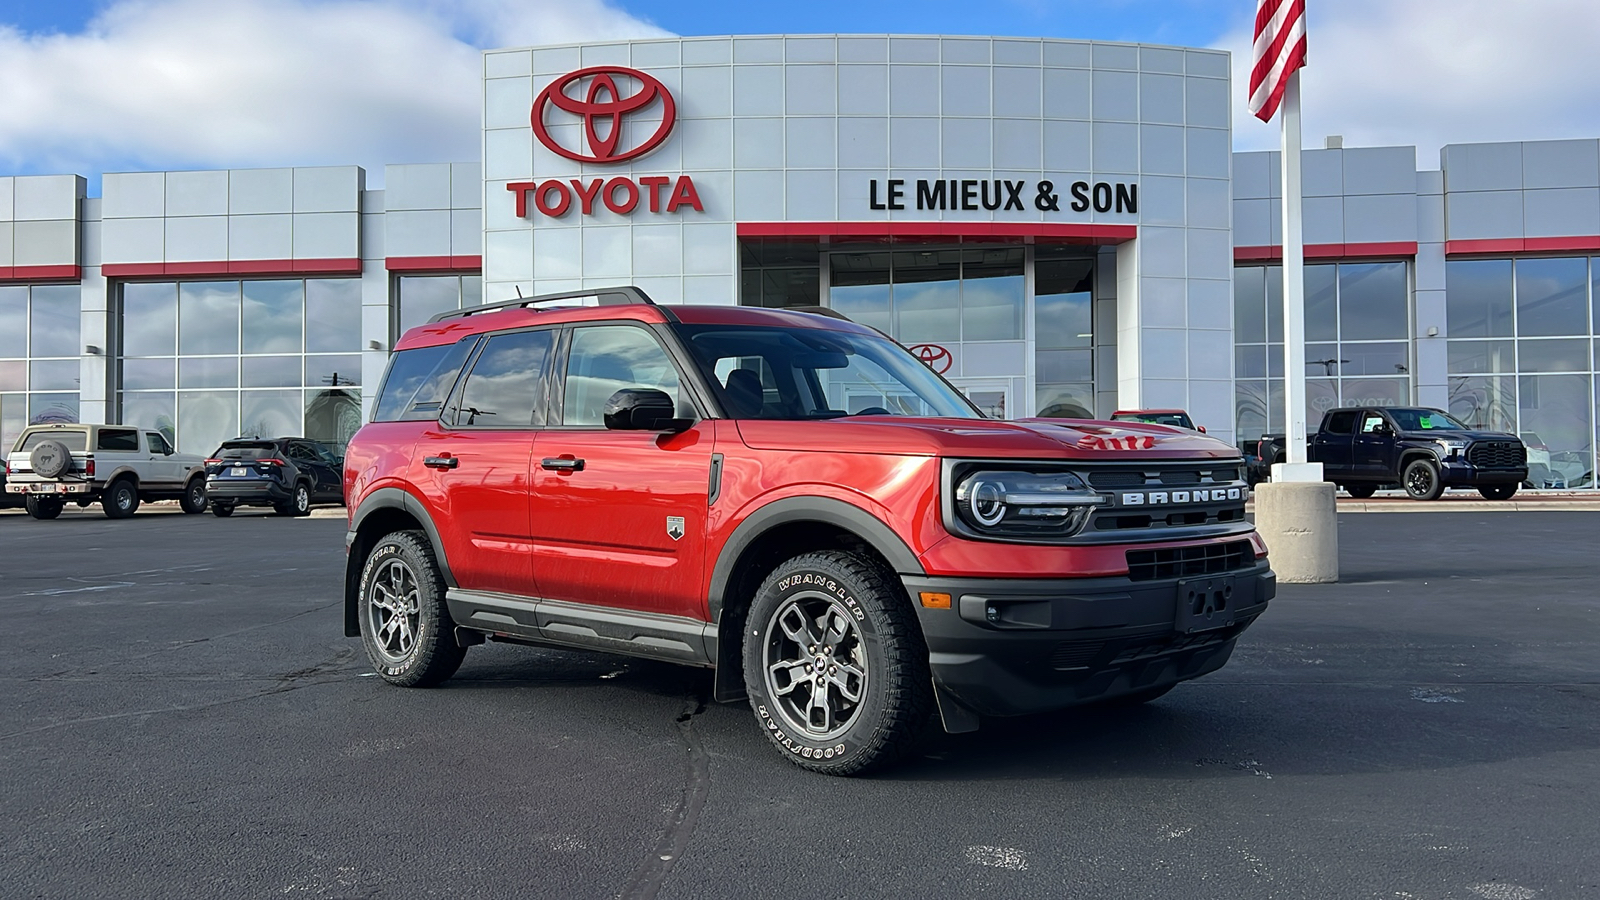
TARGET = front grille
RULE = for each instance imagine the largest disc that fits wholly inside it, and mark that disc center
(1161, 646)
(1075, 654)
(1125, 478)
(1497, 455)
(1189, 562)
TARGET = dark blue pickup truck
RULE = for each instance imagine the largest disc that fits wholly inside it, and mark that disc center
(1424, 451)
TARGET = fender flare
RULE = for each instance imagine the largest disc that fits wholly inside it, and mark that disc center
(382, 499)
(808, 508)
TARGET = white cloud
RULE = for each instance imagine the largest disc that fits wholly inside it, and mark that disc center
(1432, 72)
(169, 84)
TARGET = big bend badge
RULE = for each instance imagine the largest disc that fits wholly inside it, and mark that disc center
(675, 527)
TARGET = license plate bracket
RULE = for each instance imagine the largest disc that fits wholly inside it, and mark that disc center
(1205, 603)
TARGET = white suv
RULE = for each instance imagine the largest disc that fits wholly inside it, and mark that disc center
(117, 465)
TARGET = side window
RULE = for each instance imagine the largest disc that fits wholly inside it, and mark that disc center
(158, 443)
(1370, 423)
(1341, 422)
(301, 452)
(119, 440)
(418, 380)
(607, 358)
(506, 385)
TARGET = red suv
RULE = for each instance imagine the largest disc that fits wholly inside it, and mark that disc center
(792, 500)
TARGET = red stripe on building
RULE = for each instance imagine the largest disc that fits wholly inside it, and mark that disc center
(273, 267)
(1588, 243)
(434, 263)
(1274, 252)
(1038, 232)
(41, 273)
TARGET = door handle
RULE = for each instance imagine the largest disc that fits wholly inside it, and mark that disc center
(441, 462)
(561, 464)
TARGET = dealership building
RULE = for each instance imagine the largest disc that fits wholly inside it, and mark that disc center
(1059, 227)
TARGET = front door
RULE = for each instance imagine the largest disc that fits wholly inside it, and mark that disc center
(1373, 447)
(619, 517)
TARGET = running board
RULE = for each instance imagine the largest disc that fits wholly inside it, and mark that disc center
(675, 639)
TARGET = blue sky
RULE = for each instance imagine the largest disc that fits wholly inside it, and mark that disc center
(92, 86)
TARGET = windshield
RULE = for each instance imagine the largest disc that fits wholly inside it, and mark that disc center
(810, 373)
(1176, 420)
(1424, 420)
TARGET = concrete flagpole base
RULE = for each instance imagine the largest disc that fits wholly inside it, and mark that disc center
(1299, 522)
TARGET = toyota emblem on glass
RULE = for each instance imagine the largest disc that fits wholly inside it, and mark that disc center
(602, 98)
(933, 356)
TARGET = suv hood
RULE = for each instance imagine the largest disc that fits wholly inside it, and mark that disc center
(1019, 438)
(1468, 436)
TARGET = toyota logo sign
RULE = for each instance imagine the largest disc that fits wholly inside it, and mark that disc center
(933, 356)
(602, 98)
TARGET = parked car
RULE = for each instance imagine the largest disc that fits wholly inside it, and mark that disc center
(289, 474)
(1539, 473)
(690, 484)
(8, 500)
(1424, 451)
(1176, 418)
(117, 465)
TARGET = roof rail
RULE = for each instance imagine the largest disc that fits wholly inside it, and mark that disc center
(617, 296)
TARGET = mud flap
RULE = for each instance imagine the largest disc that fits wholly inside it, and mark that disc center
(957, 719)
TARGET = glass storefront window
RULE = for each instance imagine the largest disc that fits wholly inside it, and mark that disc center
(150, 319)
(13, 321)
(1065, 401)
(1485, 401)
(1477, 297)
(1554, 355)
(1472, 357)
(1063, 303)
(40, 343)
(1558, 409)
(1322, 303)
(993, 291)
(1552, 296)
(55, 319)
(273, 315)
(208, 317)
(1374, 302)
(421, 297)
(333, 315)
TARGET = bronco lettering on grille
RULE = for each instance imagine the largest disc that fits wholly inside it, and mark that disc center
(1197, 495)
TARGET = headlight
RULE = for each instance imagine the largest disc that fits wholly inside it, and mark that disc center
(1024, 504)
(1450, 448)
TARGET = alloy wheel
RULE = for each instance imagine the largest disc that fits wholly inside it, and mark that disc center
(815, 665)
(393, 611)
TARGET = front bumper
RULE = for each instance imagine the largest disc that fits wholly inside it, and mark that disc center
(1011, 646)
(1459, 473)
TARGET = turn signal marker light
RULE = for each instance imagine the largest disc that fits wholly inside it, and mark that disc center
(934, 600)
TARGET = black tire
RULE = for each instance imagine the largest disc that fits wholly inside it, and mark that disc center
(193, 500)
(1498, 491)
(869, 623)
(405, 625)
(44, 507)
(222, 510)
(298, 504)
(1421, 480)
(1361, 491)
(121, 499)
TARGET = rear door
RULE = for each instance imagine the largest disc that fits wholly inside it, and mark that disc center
(619, 516)
(473, 463)
(1332, 442)
(325, 481)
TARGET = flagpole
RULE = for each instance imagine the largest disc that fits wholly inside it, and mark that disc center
(1294, 305)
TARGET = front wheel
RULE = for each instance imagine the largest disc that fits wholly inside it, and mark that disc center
(835, 664)
(1498, 491)
(1421, 480)
(194, 497)
(222, 510)
(44, 507)
(405, 624)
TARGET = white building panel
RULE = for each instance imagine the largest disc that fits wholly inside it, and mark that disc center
(260, 191)
(197, 194)
(196, 238)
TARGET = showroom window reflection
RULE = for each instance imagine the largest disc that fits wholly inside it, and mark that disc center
(1521, 358)
(421, 297)
(40, 343)
(1358, 333)
(203, 362)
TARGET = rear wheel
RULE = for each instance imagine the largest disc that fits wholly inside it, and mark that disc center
(298, 504)
(194, 496)
(1421, 480)
(405, 625)
(1498, 491)
(44, 507)
(120, 500)
(1361, 491)
(835, 665)
(222, 510)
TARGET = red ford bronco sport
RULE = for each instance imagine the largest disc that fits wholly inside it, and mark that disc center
(792, 500)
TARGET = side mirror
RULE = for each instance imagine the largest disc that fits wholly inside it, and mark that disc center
(642, 409)
(1202, 428)
(1382, 428)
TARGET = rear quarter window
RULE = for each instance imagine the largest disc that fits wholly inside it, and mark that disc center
(419, 380)
(118, 440)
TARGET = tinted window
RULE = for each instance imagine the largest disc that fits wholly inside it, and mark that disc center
(245, 451)
(418, 381)
(504, 386)
(1477, 297)
(1552, 296)
(607, 358)
(302, 452)
(158, 442)
(76, 441)
(118, 440)
(1424, 420)
(1340, 422)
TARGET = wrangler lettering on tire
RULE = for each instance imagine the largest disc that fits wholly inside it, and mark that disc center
(404, 623)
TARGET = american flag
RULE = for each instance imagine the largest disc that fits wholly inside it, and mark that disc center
(1280, 48)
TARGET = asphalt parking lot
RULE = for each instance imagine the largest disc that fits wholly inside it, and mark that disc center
(182, 717)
